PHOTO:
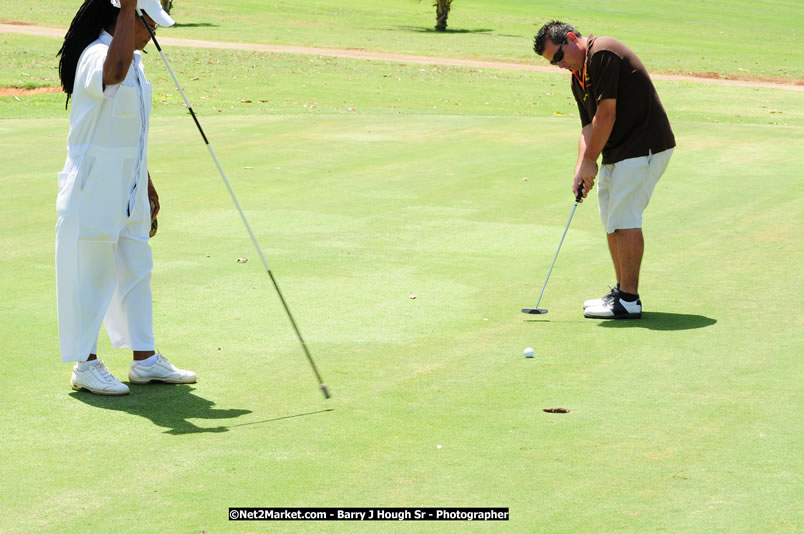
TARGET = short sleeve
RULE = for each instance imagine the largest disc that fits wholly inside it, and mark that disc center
(605, 71)
(89, 73)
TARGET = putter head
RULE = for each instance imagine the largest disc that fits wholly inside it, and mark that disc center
(534, 311)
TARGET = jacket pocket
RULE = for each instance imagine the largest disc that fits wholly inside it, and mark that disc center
(126, 103)
(103, 199)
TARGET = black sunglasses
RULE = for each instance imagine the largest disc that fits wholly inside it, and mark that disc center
(559, 55)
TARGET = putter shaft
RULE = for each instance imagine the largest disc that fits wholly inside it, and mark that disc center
(324, 388)
(536, 309)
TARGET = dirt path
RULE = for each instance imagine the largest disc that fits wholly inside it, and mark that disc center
(359, 53)
(20, 91)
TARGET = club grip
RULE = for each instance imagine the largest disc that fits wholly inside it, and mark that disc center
(580, 194)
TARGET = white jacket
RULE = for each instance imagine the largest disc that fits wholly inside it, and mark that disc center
(105, 176)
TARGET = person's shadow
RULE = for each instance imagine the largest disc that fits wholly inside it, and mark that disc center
(166, 405)
(663, 321)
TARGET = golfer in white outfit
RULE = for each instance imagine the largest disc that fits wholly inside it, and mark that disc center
(103, 259)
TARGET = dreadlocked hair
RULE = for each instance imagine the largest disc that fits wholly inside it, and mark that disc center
(92, 17)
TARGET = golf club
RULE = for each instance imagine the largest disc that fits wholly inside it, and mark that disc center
(323, 386)
(537, 310)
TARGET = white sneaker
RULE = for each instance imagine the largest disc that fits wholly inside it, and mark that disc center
(161, 371)
(615, 309)
(97, 379)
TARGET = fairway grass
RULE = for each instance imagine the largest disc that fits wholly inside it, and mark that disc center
(256, 83)
(679, 36)
(370, 183)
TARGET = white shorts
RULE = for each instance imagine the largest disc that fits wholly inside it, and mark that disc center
(624, 189)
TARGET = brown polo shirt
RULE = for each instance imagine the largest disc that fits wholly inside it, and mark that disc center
(614, 71)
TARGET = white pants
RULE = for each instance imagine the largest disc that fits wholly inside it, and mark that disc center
(103, 262)
(624, 189)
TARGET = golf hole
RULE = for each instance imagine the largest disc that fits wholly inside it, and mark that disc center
(557, 410)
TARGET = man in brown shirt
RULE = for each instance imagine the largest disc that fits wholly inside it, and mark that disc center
(623, 119)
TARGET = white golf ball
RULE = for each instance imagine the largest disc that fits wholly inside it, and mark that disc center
(528, 352)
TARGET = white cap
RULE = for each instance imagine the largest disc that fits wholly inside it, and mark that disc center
(153, 9)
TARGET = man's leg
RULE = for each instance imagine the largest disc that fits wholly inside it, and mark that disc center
(626, 247)
(632, 182)
(630, 245)
(625, 197)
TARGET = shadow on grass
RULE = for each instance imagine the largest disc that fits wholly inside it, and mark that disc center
(283, 417)
(663, 321)
(166, 405)
(432, 29)
(194, 25)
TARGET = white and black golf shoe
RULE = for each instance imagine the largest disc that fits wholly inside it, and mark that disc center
(615, 308)
(611, 295)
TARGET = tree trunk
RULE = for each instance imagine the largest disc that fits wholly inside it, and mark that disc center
(442, 12)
